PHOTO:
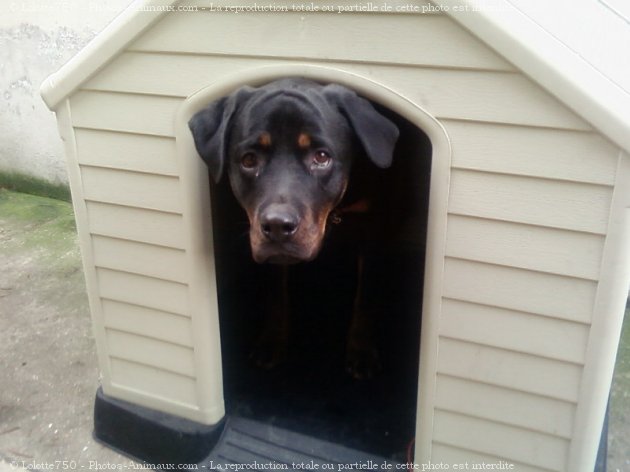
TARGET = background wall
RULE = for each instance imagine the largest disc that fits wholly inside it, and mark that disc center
(36, 38)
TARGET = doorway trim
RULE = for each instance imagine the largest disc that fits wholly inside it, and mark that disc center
(198, 227)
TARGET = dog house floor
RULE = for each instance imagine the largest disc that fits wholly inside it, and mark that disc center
(260, 445)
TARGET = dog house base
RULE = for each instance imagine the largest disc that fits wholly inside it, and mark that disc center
(159, 438)
(151, 436)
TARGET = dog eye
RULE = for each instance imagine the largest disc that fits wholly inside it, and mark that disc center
(249, 161)
(321, 158)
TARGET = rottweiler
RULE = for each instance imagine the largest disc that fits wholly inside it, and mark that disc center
(289, 149)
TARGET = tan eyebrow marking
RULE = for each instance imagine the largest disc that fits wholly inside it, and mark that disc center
(264, 139)
(304, 140)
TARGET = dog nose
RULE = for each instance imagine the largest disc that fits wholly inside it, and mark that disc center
(279, 223)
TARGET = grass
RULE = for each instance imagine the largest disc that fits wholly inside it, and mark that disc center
(22, 183)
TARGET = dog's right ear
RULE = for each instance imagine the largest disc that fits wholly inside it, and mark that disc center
(210, 128)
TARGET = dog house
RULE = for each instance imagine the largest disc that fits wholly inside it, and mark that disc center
(528, 240)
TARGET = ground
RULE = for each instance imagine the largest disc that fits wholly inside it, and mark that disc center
(48, 367)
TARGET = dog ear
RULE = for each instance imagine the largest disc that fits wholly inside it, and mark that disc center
(210, 128)
(377, 134)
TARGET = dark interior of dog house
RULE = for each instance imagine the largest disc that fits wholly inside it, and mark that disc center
(311, 392)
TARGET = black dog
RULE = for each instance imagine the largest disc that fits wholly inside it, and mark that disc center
(288, 148)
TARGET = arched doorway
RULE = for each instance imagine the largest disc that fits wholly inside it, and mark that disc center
(198, 217)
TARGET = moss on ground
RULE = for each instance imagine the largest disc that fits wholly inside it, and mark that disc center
(45, 225)
(23, 183)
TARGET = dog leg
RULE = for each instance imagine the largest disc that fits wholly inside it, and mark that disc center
(271, 349)
(362, 357)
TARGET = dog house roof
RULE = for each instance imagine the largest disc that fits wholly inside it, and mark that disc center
(571, 48)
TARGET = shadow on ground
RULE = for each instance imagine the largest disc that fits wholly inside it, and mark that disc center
(48, 371)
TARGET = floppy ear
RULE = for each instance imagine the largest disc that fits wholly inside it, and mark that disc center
(377, 134)
(210, 128)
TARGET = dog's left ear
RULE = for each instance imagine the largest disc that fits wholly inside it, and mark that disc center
(210, 127)
(377, 134)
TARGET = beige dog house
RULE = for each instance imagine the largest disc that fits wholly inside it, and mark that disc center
(528, 253)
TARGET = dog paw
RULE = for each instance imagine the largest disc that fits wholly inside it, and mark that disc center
(363, 364)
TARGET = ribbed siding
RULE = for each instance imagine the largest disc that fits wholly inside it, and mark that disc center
(531, 189)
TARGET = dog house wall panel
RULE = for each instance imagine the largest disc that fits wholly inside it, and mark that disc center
(155, 324)
(153, 386)
(131, 288)
(477, 96)
(119, 303)
(567, 205)
(546, 415)
(500, 242)
(133, 152)
(136, 224)
(541, 452)
(491, 148)
(531, 334)
(443, 452)
(138, 190)
(509, 369)
(139, 258)
(247, 36)
(132, 113)
(501, 286)
(528, 242)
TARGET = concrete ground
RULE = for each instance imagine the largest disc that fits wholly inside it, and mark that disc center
(48, 367)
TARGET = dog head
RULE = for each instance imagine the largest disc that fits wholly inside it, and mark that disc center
(288, 148)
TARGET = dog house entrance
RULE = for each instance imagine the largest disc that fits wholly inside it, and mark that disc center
(311, 392)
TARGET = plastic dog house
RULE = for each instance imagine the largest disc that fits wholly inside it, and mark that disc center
(528, 246)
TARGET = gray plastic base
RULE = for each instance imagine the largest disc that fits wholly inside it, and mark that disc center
(265, 447)
(151, 436)
(154, 437)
